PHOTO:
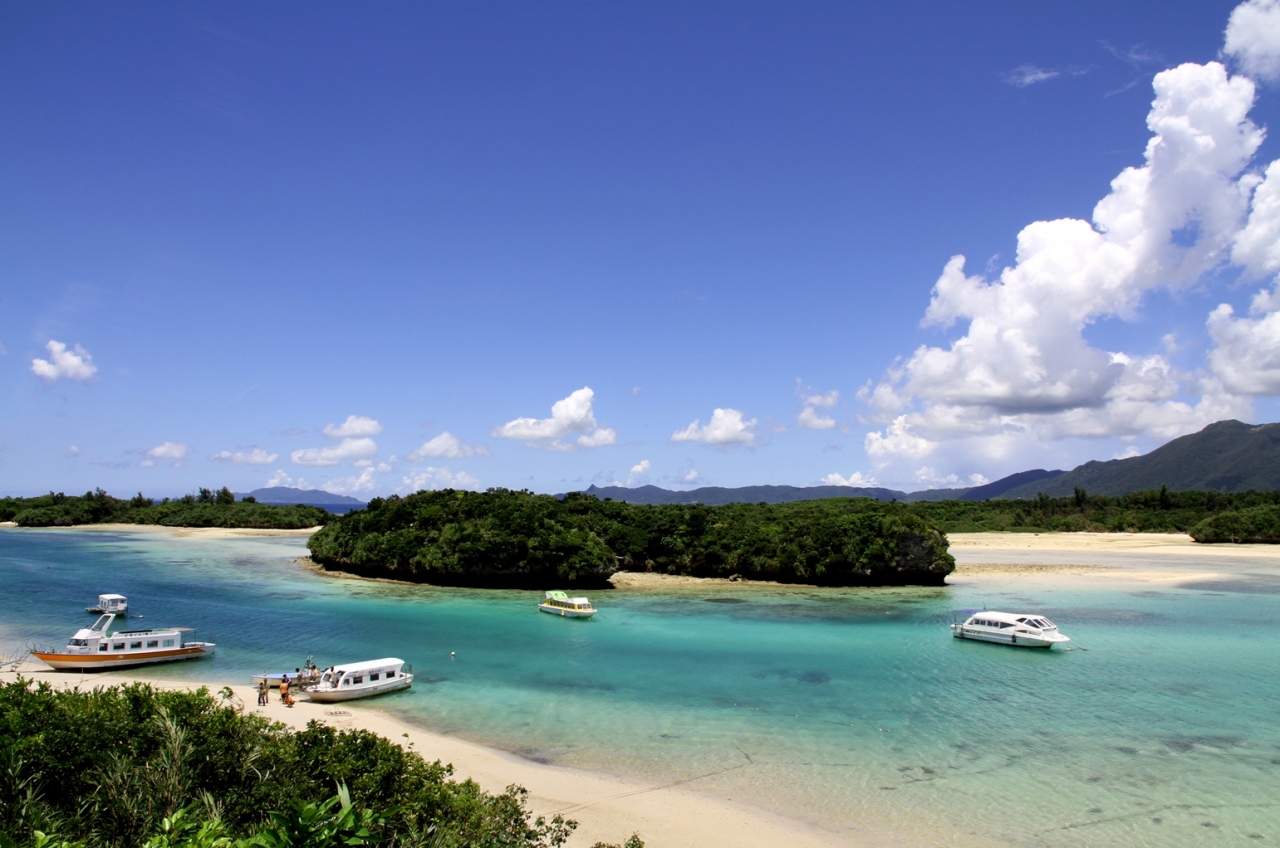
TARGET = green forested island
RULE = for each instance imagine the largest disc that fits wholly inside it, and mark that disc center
(205, 509)
(503, 538)
(127, 766)
(519, 539)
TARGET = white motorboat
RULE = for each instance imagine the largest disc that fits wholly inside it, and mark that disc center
(95, 648)
(117, 604)
(360, 680)
(558, 603)
(1010, 628)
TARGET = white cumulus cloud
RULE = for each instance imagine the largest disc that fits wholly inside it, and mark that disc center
(63, 364)
(282, 478)
(1246, 352)
(437, 478)
(726, 427)
(1253, 38)
(347, 449)
(254, 456)
(362, 484)
(354, 426)
(1021, 369)
(639, 472)
(446, 445)
(570, 416)
(857, 478)
(810, 418)
(175, 453)
(73, 451)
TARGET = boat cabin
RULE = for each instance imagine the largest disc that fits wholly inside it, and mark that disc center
(367, 673)
(97, 638)
(117, 604)
(560, 600)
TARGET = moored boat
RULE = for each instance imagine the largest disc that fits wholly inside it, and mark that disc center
(96, 648)
(1023, 630)
(558, 603)
(360, 680)
(117, 604)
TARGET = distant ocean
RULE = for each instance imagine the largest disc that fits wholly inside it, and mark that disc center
(851, 709)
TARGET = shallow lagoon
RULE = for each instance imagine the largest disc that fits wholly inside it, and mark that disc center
(851, 709)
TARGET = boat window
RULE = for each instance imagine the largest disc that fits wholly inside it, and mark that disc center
(168, 643)
(154, 643)
(359, 679)
(346, 681)
(391, 674)
(102, 647)
(118, 646)
(373, 677)
(133, 645)
(78, 643)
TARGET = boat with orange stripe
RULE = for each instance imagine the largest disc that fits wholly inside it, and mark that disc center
(96, 648)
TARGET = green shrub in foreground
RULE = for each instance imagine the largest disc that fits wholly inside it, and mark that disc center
(133, 765)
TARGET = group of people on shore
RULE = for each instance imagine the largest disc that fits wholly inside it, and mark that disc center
(264, 688)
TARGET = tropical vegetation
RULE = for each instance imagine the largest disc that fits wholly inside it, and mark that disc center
(207, 508)
(118, 767)
(1156, 511)
(516, 538)
(1255, 524)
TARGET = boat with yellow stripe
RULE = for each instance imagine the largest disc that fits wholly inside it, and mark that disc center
(96, 648)
(558, 603)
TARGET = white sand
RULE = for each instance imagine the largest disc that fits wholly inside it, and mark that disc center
(605, 807)
(179, 532)
(1168, 558)
(1162, 544)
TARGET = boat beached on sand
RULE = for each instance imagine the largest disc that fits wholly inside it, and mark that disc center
(1010, 628)
(96, 648)
(558, 603)
(360, 680)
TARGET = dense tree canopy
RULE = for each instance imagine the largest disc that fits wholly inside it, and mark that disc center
(135, 766)
(207, 509)
(509, 538)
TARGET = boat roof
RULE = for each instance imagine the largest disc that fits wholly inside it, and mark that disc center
(368, 665)
(557, 596)
(112, 598)
(1011, 617)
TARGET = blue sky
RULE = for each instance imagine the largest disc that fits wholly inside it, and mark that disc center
(227, 229)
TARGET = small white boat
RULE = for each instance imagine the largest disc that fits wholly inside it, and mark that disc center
(360, 680)
(558, 603)
(117, 604)
(95, 648)
(1010, 628)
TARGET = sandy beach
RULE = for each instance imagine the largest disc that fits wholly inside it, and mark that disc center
(606, 808)
(1164, 558)
(179, 532)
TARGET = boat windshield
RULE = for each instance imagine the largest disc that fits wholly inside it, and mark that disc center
(101, 623)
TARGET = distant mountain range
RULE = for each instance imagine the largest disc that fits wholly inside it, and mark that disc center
(717, 495)
(311, 497)
(1229, 456)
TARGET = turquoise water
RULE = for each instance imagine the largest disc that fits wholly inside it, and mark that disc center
(850, 709)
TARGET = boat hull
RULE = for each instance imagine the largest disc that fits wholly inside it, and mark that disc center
(354, 693)
(566, 613)
(1017, 640)
(105, 661)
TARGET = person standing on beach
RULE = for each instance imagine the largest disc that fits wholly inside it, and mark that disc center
(262, 691)
(284, 689)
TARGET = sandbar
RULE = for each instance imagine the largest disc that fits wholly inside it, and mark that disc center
(607, 808)
(179, 532)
